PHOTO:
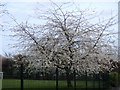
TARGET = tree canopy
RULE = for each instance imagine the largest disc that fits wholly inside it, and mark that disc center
(68, 39)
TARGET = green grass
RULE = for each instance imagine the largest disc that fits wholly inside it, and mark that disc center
(14, 83)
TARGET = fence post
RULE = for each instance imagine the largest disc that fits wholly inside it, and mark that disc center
(56, 78)
(21, 76)
(86, 79)
(19, 58)
(108, 79)
(104, 75)
(99, 80)
(93, 79)
(118, 76)
(74, 79)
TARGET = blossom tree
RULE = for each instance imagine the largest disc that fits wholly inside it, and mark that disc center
(68, 40)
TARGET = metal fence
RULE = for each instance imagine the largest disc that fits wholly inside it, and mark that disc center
(56, 81)
(1, 77)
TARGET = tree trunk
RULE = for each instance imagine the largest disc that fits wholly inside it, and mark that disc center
(69, 84)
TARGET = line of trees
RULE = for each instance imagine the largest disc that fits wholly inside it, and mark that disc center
(11, 70)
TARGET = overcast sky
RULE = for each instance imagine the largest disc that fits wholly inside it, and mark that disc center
(25, 10)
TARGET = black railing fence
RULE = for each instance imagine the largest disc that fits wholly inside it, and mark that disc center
(57, 80)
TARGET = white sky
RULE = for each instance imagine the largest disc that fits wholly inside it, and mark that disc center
(24, 9)
(59, 0)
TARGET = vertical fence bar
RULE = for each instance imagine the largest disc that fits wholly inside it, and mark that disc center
(21, 76)
(118, 76)
(108, 79)
(103, 79)
(74, 79)
(99, 80)
(118, 63)
(104, 76)
(56, 78)
(86, 80)
(93, 80)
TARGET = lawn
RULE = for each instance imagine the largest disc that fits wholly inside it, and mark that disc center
(9, 84)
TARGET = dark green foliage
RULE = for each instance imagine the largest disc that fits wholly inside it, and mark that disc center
(114, 79)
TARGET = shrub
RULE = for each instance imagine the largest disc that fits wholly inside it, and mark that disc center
(114, 79)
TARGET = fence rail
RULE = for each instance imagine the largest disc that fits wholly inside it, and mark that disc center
(94, 81)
